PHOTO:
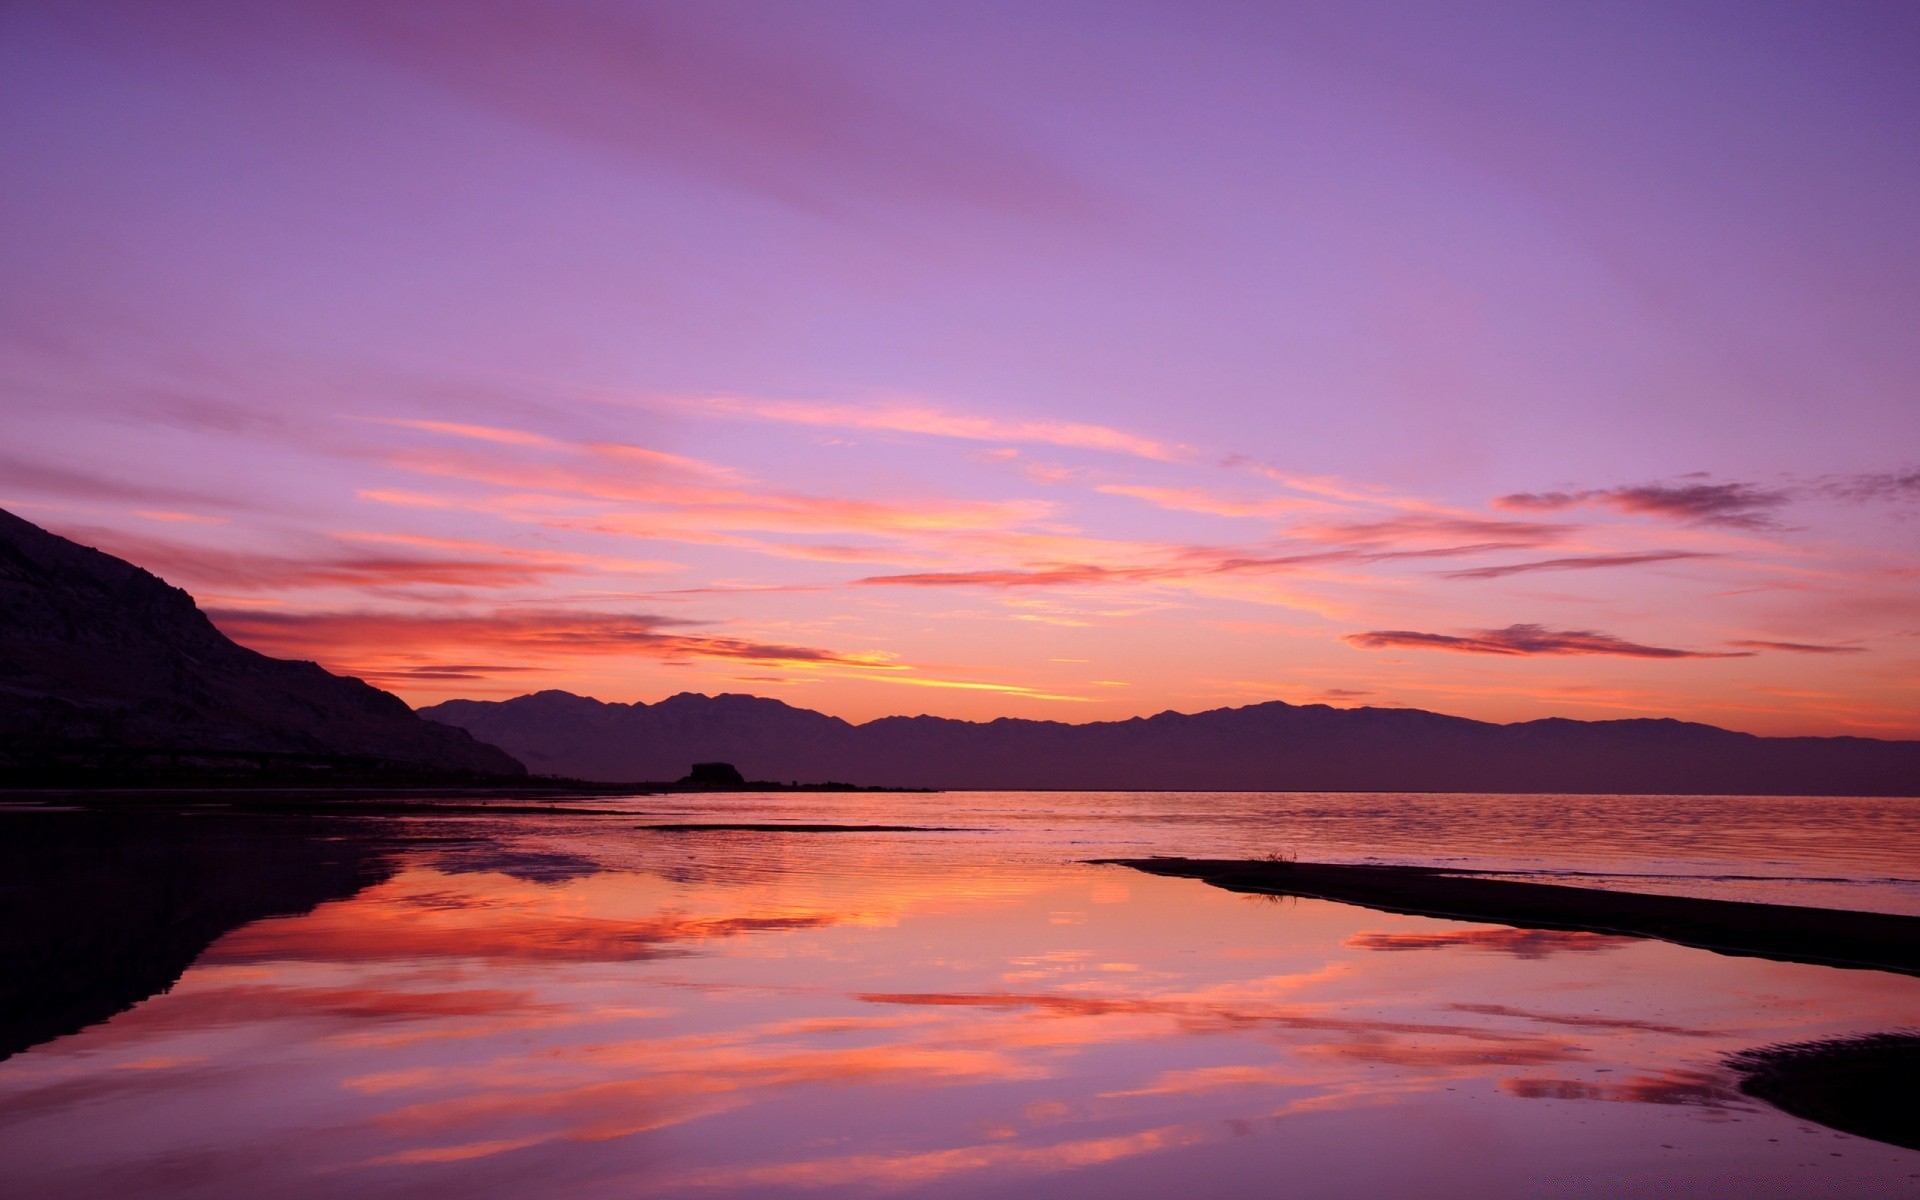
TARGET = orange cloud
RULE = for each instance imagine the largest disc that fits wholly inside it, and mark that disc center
(530, 636)
(506, 932)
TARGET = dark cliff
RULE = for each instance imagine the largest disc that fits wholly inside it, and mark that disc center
(107, 674)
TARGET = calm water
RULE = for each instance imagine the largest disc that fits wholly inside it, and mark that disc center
(572, 1006)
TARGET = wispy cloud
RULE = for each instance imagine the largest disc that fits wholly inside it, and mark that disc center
(689, 92)
(1798, 647)
(1584, 562)
(22, 478)
(526, 636)
(1419, 527)
(921, 417)
(1064, 575)
(1202, 500)
(483, 433)
(1881, 486)
(1730, 505)
(424, 649)
(704, 505)
(1523, 641)
(340, 561)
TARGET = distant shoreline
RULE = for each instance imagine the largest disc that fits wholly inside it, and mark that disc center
(1788, 933)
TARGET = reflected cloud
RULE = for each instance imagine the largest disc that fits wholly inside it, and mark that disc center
(410, 920)
(1693, 1088)
(479, 1030)
(1521, 943)
(901, 1170)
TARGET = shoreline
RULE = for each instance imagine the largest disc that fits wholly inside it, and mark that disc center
(1788, 933)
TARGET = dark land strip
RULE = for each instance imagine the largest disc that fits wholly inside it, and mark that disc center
(1789, 933)
(521, 800)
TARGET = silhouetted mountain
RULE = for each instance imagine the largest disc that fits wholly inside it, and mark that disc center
(109, 674)
(1270, 747)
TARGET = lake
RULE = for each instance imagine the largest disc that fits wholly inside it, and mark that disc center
(510, 1005)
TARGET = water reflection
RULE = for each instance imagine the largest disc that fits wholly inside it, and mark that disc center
(98, 911)
(513, 1010)
(1521, 943)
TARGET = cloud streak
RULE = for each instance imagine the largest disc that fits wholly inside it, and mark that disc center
(920, 417)
(1729, 505)
(528, 634)
(459, 563)
(1524, 641)
(1883, 487)
(1583, 562)
(1798, 647)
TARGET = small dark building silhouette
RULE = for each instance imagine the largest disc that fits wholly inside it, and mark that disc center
(714, 774)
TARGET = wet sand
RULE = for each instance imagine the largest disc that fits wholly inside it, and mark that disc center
(1790, 933)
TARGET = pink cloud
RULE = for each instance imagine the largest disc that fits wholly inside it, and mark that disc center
(695, 93)
(1799, 647)
(918, 417)
(461, 563)
(1586, 562)
(1417, 527)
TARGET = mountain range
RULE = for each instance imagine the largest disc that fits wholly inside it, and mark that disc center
(1262, 747)
(108, 674)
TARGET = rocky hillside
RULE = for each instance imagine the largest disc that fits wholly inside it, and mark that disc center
(109, 674)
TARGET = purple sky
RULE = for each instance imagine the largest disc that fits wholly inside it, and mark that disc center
(1043, 359)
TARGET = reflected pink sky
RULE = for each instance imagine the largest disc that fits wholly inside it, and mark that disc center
(1048, 360)
(759, 1014)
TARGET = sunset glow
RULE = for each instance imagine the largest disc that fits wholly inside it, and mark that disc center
(988, 360)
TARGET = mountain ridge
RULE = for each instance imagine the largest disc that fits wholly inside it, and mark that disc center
(1271, 746)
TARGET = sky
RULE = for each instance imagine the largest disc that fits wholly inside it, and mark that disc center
(1054, 360)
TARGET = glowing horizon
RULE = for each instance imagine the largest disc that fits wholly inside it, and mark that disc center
(966, 362)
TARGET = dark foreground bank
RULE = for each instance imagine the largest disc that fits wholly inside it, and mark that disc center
(1790, 933)
(1862, 1085)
